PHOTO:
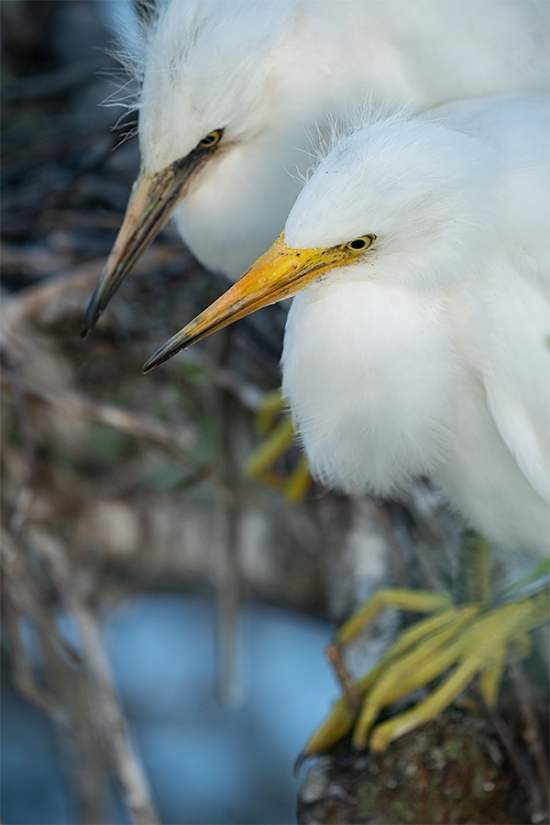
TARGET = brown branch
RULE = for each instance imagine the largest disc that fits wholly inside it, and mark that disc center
(170, 438)
(87, 694)
(44, 299)
(334, 654)
(66, 697)
(16, 603)
(23, 498)
(103, 704)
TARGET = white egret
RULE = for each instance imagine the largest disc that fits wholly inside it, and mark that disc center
(232, 93)
(418, 343)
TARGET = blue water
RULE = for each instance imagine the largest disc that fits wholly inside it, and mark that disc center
(206, 763)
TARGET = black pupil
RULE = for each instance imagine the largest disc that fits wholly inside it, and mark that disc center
(209, 138)
(358, 244)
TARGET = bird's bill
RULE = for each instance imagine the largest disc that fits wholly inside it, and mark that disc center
(280, 273)
(153, 199)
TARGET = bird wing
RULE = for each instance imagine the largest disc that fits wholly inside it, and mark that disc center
(521, 431)
(515, 367)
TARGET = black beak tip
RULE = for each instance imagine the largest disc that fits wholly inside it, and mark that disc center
(91, 316)
(90, 320)
(147, 367)
(85, 329)
(159, 357)
(164, 354)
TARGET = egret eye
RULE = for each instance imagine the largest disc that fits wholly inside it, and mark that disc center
(359, 244)
(211, 139)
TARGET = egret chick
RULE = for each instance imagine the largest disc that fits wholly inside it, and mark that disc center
(418, 344)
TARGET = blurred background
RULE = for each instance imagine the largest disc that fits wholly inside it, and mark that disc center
(126, 515)
(164, 618)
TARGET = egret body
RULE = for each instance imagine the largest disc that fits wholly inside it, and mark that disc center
(234, 94)
(418, 342)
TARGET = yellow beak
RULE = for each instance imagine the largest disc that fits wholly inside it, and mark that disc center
(153, 200)
(278, 274)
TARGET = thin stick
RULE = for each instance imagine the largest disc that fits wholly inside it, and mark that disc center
(228, 574)
(21, 585)
(106, 706)
(171, 440)
(334, 654)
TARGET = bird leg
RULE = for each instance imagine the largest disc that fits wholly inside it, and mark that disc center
(460, 637)
(344, 713)
(281, 437)
(272, 406)
(480, 649)
(418, 601)
(475, 569)
(410, 672)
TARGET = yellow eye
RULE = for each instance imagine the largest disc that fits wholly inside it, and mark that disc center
(211, 139)
(359, 244)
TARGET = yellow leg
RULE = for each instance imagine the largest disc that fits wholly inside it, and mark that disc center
(298, 483)
(418, 601)
(490, 678)
(426, 710)
(273, 404)
(281, 436)
(338, 723)
(277, 443)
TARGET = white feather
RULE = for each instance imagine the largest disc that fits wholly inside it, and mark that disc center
(430, 354)
(271, 74)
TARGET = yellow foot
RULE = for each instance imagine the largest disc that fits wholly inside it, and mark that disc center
(271, 419)
(466, 638)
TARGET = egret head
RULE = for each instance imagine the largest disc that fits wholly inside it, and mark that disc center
(419, 186)
(206, 69)
(209, 82)
(399, 200)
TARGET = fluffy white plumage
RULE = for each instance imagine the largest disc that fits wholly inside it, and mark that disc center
(430, 354)
(419, 338)
(419, 343)
(269, 73)
(235, 95)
